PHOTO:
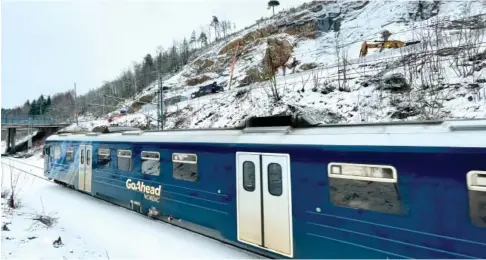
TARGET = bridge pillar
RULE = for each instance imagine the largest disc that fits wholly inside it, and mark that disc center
(11, 140)
(48, 130)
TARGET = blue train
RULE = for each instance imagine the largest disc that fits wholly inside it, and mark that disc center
(283, 187)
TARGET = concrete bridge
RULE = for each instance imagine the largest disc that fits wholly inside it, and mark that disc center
(45, 124)
(33, 121)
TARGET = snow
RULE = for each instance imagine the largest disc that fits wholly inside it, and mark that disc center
(25, 138)
(315, 91)
(89, 228)
(94, 229)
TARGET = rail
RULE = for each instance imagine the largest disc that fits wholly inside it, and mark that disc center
(33, 120)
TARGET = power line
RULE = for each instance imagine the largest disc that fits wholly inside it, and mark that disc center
(24, 171)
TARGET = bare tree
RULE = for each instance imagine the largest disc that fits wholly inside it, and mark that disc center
(14, 179)
(466, 42)
(338, 57)
(342, 57)
(272, 85)
(4, 192)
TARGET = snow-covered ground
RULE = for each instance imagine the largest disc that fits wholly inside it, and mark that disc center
(88, 228)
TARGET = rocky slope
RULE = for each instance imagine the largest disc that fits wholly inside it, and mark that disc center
(314, 52)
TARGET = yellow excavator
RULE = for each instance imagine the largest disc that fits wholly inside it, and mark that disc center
(383, 44)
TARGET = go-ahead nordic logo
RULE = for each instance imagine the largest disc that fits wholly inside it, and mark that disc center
(142, 187)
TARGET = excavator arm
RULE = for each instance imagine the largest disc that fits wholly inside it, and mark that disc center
(383, 44)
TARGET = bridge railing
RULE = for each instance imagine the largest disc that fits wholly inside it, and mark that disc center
(33, 120)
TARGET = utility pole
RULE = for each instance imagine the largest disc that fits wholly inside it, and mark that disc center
(233, 66)
(158, 107)
(75, 103)
(30, 131)
(160, 103)
(103, 107)
(134, 84)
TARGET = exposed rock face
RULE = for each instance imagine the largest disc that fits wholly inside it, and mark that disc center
(423, 10)
(403, 112)
(203, 65)
(277, 54)
(230, 46)
(142, 101)
(395, 82)
(197, 80)
(250, 37)
(252, 75)
(308, 66)
(303, 28)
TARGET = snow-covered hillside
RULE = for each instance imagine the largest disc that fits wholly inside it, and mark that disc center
(440, 77)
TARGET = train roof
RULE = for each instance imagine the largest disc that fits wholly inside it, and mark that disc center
(302, 131)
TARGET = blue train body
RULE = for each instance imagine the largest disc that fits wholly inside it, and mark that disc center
(371, 191)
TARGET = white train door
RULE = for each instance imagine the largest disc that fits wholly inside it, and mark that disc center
(85, 167)
(264, 202)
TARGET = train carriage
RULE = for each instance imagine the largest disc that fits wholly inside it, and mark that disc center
(284, 188)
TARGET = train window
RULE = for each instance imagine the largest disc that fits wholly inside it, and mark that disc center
(57, 153)
(104, 158)
(367, 187)
(184, 166)
(151, 163)
(70, 154)
(82, 156)
(249, 176)
(125, 160)
(476, 184)
(52, 152)
(274, 179)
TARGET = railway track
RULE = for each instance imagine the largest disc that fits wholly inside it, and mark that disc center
(22, 170)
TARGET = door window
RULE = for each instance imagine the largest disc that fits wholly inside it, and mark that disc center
(88, 157)
(249, 176)
(275, 179)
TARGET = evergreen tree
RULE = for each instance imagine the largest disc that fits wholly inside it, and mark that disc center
(148, 70)
(215, 25)
(203, 39)
(174, 59)
(185, 51)
(193, 39)
(41, 105)
(272, 4)
(48, 101)
(33, 108)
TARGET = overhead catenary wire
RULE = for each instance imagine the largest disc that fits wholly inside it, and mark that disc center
(31, 165)
(24, 171)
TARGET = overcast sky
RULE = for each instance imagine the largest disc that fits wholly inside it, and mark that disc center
(49, 45)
